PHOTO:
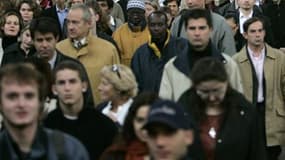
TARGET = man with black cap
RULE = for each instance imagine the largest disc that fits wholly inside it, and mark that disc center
(169, 131)
(132, 34)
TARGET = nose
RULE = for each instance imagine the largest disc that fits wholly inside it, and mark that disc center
(160, 141)
(212, 97)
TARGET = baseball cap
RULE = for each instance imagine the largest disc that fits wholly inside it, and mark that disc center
(168, 113)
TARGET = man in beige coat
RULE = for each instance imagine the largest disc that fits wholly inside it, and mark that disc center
(91, 51)
(263, 74)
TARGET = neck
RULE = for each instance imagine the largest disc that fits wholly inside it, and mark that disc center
(72, 109)
(61, 6)
(256, 49)
(246, 12)
(26, 50)
(214, 110)
(116, 102)
(23, 137)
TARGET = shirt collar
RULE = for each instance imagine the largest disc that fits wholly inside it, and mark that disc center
(260, 56)
(60, 10)
(52, 60)
(241, 15)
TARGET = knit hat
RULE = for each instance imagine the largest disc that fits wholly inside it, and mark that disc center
(136, 4)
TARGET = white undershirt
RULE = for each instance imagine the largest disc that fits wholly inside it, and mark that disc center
(242, 19)
(258, 63)
(121, 113)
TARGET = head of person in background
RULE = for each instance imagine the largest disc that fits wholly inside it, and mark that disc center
(136, 15)
(193, 4)
(28, 10)
(232, 21)
(69, 84)
(150, 6)
(198, 25)
(173, 5)
(158, 28)
(211, 85)
(167, 11)
(45, 35)
(79, 21)
(25, 39)
(4, 6)
(254, 33)
(11, 25)
(106, 6)
(118, 86)
(132, 137)
(169, 131)
(246, 5)
(99, 20)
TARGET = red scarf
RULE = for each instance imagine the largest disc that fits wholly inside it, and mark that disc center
(136, 150)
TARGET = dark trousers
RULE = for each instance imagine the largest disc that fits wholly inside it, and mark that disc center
(273, 152)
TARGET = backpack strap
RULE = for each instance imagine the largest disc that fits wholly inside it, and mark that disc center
(57, 139)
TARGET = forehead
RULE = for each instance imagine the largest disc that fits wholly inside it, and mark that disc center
(255, 25)
(156, 18)
(210, 84)
(197, 22)
(75, 14)
(25, 5)
(66, 73)
(9, 84)
(12, 17)
(43, 35)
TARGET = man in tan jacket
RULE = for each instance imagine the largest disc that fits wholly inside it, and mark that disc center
(263, 74)
(91, 51)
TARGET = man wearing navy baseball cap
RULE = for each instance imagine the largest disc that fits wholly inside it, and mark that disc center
(169, 131)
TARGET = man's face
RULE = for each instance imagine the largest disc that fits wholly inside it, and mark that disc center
(168, 144)
(157, 26)
(173, 8)
(77, 27)
(195, 4)
(198, 32)
(255, 34)
(246, 4)
(69, 87)
(45, 44)
(20, 104)
(135, 16)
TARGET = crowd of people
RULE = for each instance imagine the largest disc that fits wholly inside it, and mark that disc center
(142, 79)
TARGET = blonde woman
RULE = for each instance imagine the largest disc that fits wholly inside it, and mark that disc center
(150, 6)
(117, 88)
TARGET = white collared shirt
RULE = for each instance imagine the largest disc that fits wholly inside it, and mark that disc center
(242, 19)
(258, 63)
(121, 113)
(52, 60)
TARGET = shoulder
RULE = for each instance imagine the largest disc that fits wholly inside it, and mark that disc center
(71, 147)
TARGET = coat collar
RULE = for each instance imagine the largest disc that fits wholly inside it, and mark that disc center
(182, 60)
(268, 49)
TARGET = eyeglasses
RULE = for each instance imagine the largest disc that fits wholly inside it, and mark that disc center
(115, 68)
(205, 93)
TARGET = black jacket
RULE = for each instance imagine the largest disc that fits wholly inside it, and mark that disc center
(95, 131)
(52, 13)
(14, 54)
(148, 68)
(240, 136)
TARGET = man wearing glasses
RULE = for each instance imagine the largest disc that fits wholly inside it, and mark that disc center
(175, 79)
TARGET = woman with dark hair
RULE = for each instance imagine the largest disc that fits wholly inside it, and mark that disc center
(28, 10)
(130, 144)
(227, 124)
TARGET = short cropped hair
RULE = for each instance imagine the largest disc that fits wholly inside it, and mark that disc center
(44, 25)
(86, 12)
(196, 14)
(71, 65)
(160, 13)
(122, 78)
